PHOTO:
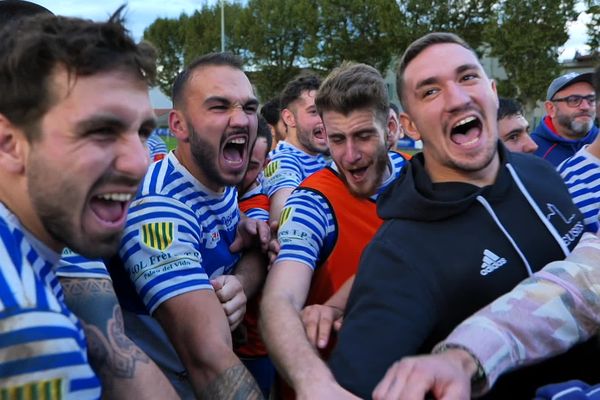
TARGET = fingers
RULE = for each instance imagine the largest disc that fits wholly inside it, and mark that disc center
(318, 321)
(392, 384)
(310, 324)
(337, 324)
(264, 235)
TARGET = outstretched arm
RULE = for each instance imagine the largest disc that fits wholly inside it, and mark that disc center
(125, 370)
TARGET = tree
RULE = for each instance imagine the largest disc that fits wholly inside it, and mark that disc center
(525, 36)
(364, 31)
(593, 27)
(168, 37)
(279, 37)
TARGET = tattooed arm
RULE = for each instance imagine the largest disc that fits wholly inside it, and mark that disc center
(197, 327)
(125, 370)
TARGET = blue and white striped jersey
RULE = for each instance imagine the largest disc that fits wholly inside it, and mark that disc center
(157, 148)
(256, 213)
(581, 173)
(178, 234)
(288, 167)
(311, 230)
(73, 265)
(42, 344)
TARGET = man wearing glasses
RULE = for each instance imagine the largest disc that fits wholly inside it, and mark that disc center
(569, 122)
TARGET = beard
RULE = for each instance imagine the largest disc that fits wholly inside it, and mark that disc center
(579, 129)
(206, 159)
(380, 164)
(304, 137)
(56, 201)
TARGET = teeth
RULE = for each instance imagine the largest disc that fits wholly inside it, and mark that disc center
(464, 121)
(115, 196)
(238, 141)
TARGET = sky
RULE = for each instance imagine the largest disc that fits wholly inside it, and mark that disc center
(141, 13)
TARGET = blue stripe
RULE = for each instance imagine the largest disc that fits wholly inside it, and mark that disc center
(157, 280)
(33, 334)
(161, 293)
(41, 363)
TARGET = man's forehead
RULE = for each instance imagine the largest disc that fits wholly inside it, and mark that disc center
(217, 80)
(427, 64)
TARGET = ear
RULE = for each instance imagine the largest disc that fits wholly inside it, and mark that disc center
(392, 122)
(178, 125)
(288, 117)
(409, 127)
(495, 90)
(13, 147)
(550, 108)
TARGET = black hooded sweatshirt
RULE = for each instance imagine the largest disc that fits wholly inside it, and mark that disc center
(444, 251)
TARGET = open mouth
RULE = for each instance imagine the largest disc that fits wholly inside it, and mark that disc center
(466, 131)
(110, 207)
(233, 151)
(358, 173)
(319, 133)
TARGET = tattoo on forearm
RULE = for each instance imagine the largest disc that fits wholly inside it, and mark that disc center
(112, 354)
(235, 383)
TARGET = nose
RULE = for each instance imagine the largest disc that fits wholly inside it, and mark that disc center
(351, 154)
(132, 157)
(529, 146)
(456, 97)
(239, 117)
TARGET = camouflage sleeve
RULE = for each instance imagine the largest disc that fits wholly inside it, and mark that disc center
(560, 303)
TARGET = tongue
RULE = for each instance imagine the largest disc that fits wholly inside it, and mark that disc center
(232, 154)
(468, 136)
(107, 210)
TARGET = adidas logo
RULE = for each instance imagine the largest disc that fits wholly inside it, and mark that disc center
(491, 262)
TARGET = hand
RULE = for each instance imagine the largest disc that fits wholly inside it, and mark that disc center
(251, 232)
(230, 293)
(446, 375)
(318, 320)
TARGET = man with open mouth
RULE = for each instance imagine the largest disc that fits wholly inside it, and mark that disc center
(463, 224)
(181, 279)
(301, 153)
(325, 224)
(74, 115)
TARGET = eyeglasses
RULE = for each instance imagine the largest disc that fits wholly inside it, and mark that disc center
(575, 100)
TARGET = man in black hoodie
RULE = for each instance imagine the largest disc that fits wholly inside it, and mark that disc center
(463, 224)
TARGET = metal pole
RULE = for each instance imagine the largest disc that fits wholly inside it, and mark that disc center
(222, 25)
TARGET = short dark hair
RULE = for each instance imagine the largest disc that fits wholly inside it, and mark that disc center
(293, 90)
(353, 87)
(508, 107)
(416, 48)
(211, 59)
(264, 132)
(34, 47)
(271, 111)
(11, 10)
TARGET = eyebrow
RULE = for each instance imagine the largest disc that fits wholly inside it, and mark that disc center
(225, 100)
(112, 121)
(460, 69)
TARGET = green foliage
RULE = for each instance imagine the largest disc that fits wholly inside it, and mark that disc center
(525, 36)
(279, 38)
(593, 27)
(168, 37)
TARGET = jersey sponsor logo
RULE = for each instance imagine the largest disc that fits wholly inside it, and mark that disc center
(573, 233)
(491, 262)
(212, 238)
(39, 390)
(285, 216)
(158, 235)
(271, 169)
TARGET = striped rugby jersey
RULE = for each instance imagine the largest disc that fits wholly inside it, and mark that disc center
(256, 213)
(288, 167)
(42, 345)
(178, 234)
(581, 173)
(157, 148)
(73, 265)
(311, 230)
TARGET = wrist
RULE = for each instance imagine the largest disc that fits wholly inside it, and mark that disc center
(469, 363)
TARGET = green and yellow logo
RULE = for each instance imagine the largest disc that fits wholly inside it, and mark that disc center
(158, 235)
(41, 390)
(285, 216)
(271, 168)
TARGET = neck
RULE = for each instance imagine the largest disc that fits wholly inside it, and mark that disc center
(185, 158)
(483, 177)
(292, 138)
